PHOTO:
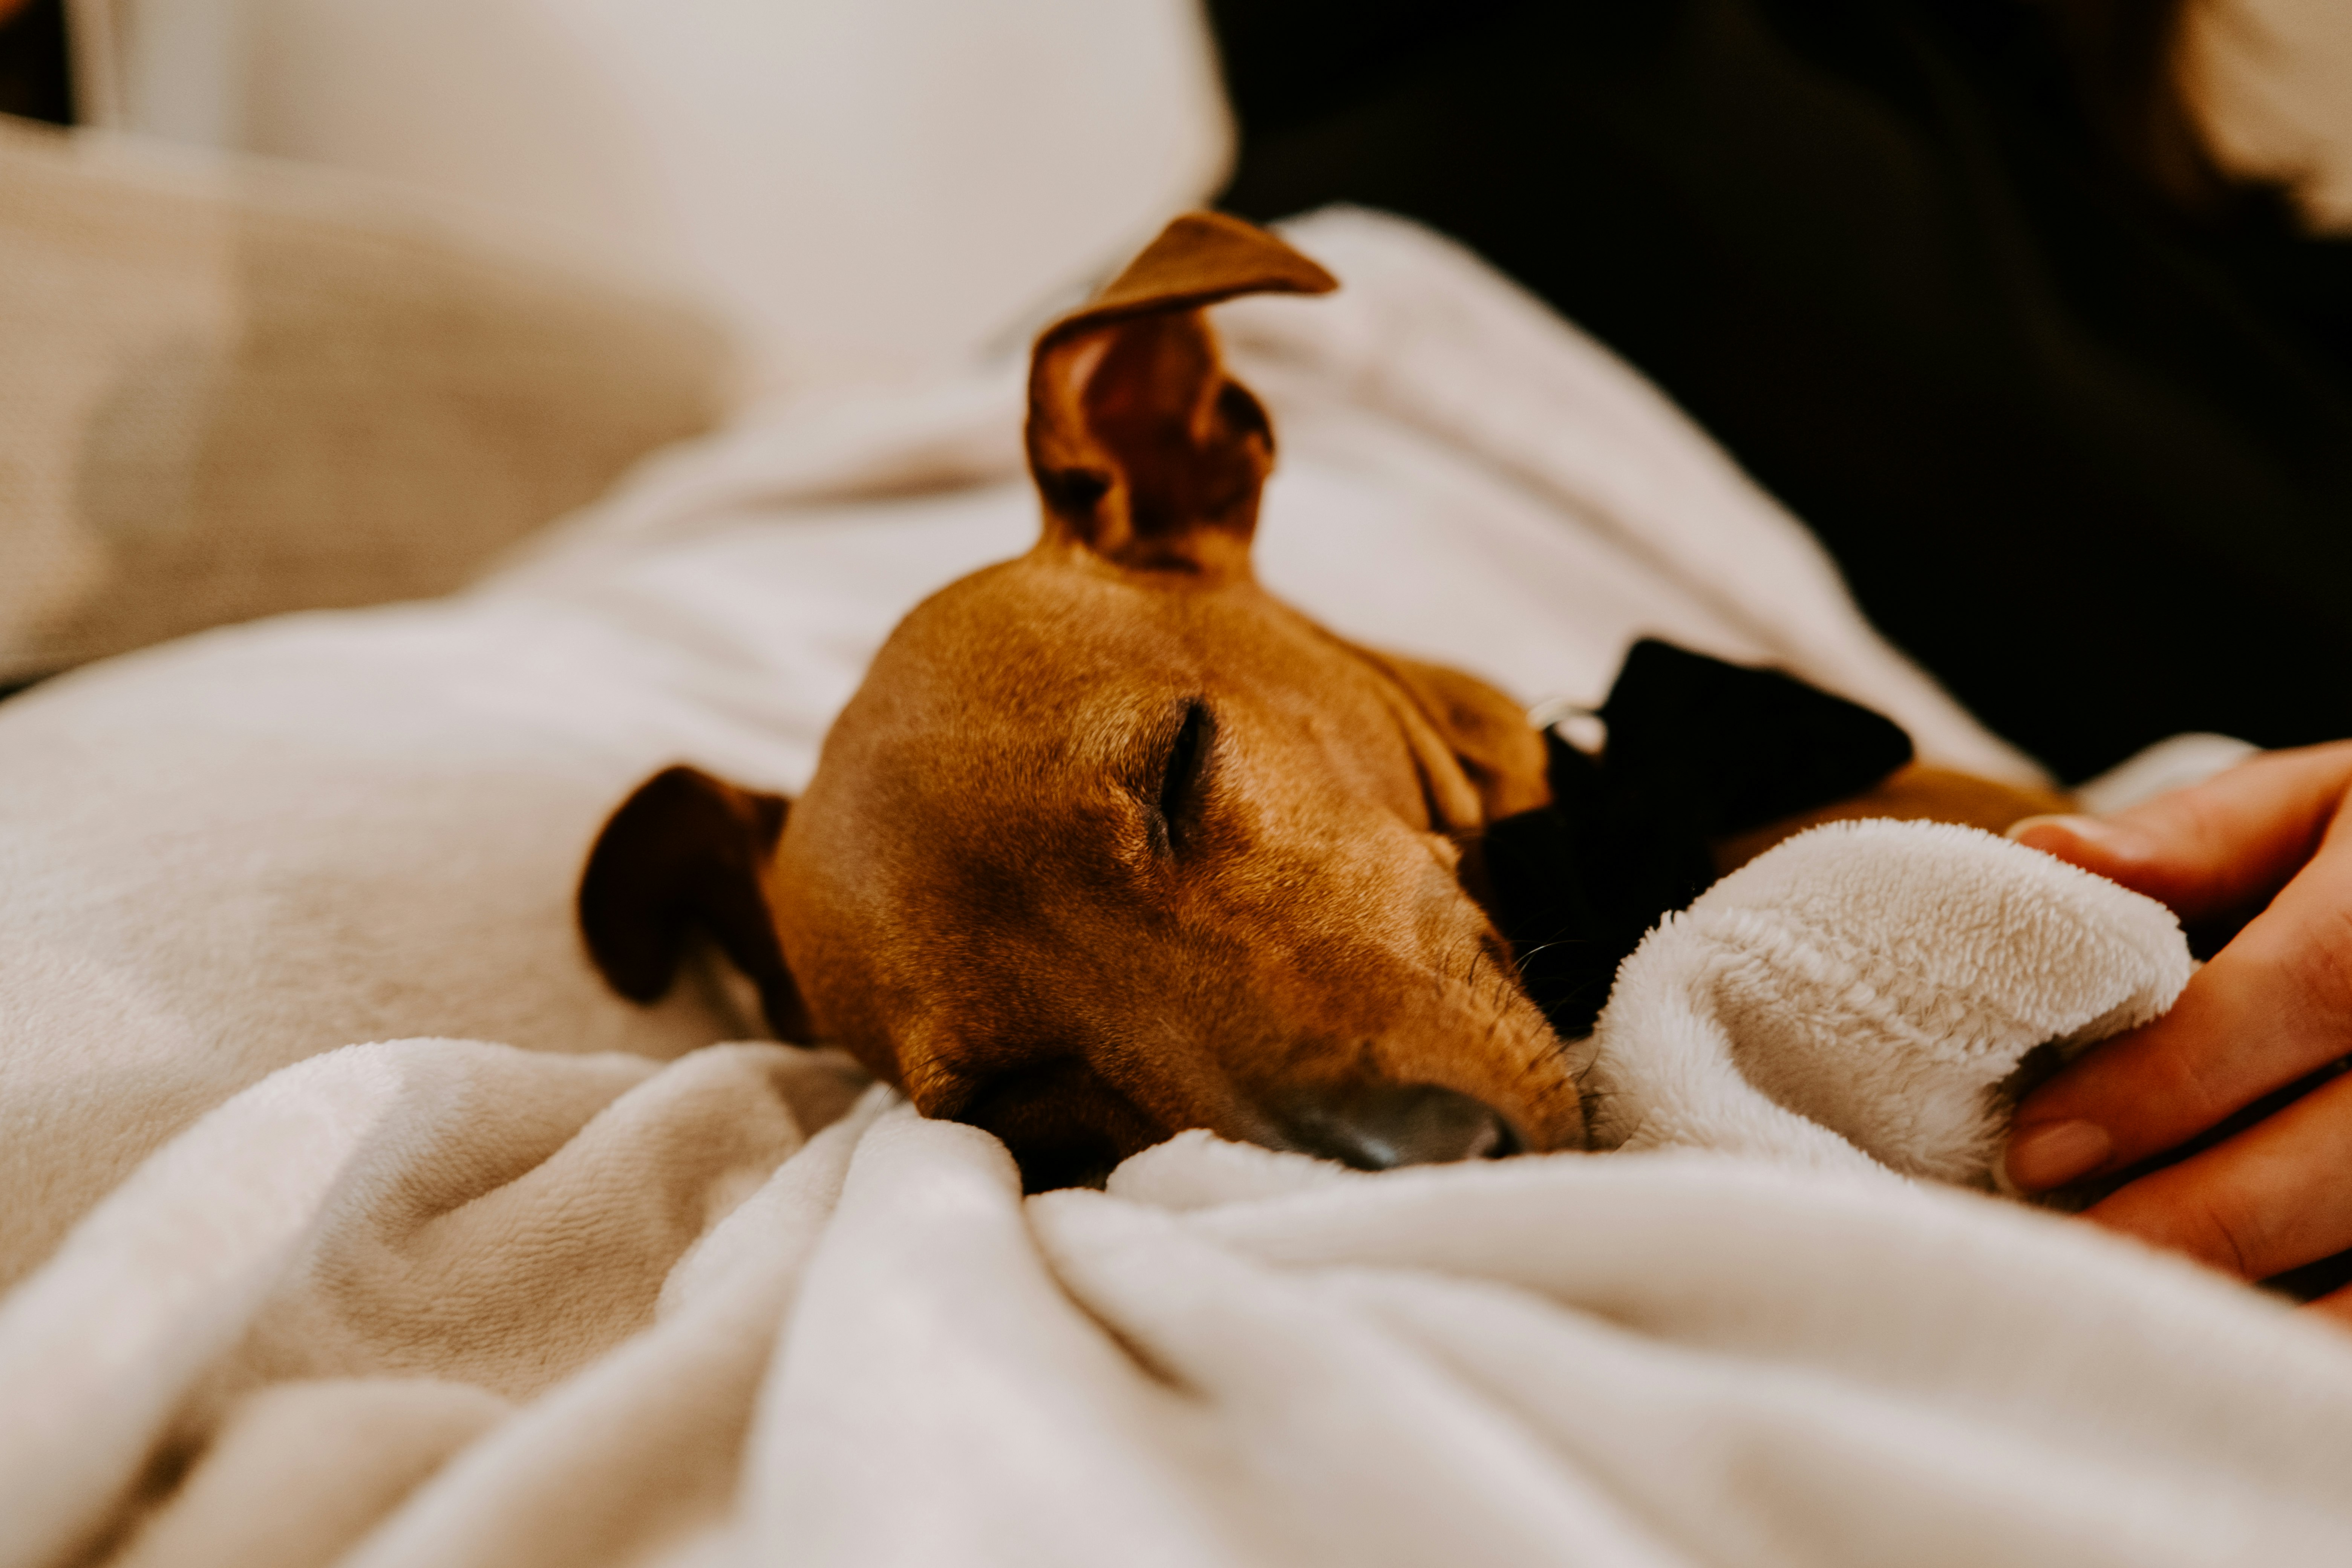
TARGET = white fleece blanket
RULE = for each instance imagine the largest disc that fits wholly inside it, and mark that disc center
(608, 1292)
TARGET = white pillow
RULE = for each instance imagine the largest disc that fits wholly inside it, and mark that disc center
(867, 187)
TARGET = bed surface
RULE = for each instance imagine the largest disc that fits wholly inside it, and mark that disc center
(346, 1185)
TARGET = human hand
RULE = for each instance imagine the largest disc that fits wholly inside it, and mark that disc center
(2272, 1007)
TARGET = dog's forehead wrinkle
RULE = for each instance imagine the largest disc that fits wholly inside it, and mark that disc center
(1028, 622)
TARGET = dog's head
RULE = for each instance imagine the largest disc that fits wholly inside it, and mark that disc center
(1110, 843)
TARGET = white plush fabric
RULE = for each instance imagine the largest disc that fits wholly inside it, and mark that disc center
(603, 1292)
(1864, 989)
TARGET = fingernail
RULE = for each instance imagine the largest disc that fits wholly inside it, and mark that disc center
(2080, 827)
(2055, 1153)
(2042, 832)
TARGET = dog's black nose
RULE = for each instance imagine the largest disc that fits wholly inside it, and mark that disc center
(1376, 1127)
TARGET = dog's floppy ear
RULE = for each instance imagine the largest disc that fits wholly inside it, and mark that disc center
(1501, 755)
(688, 850)
(1144, 451)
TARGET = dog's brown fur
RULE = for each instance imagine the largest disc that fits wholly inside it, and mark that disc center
(1110, 843)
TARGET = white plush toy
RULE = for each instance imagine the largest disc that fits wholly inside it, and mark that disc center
(1858, 996)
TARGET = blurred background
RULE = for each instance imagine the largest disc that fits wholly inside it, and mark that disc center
(2037, 311)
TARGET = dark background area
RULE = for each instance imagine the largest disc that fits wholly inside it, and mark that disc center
(33, 80)
(2071, 408)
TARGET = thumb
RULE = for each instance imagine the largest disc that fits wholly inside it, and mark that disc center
(2120, 850)
(2212, 848)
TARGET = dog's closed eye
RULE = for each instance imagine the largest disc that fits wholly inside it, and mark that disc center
(1182, 773)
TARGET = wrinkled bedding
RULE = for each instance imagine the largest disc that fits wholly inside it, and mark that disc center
(351, 1220)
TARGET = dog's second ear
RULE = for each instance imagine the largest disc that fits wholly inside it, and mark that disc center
(1502, 757)
(1144, 451)
(688, 851)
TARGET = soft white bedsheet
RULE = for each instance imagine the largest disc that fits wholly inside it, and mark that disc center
(553, 1300)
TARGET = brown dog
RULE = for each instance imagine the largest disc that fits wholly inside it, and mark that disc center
(1110, 843)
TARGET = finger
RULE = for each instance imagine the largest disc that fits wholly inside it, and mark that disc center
(2275, 1197)
(2214, 847)
(2273, 1005)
